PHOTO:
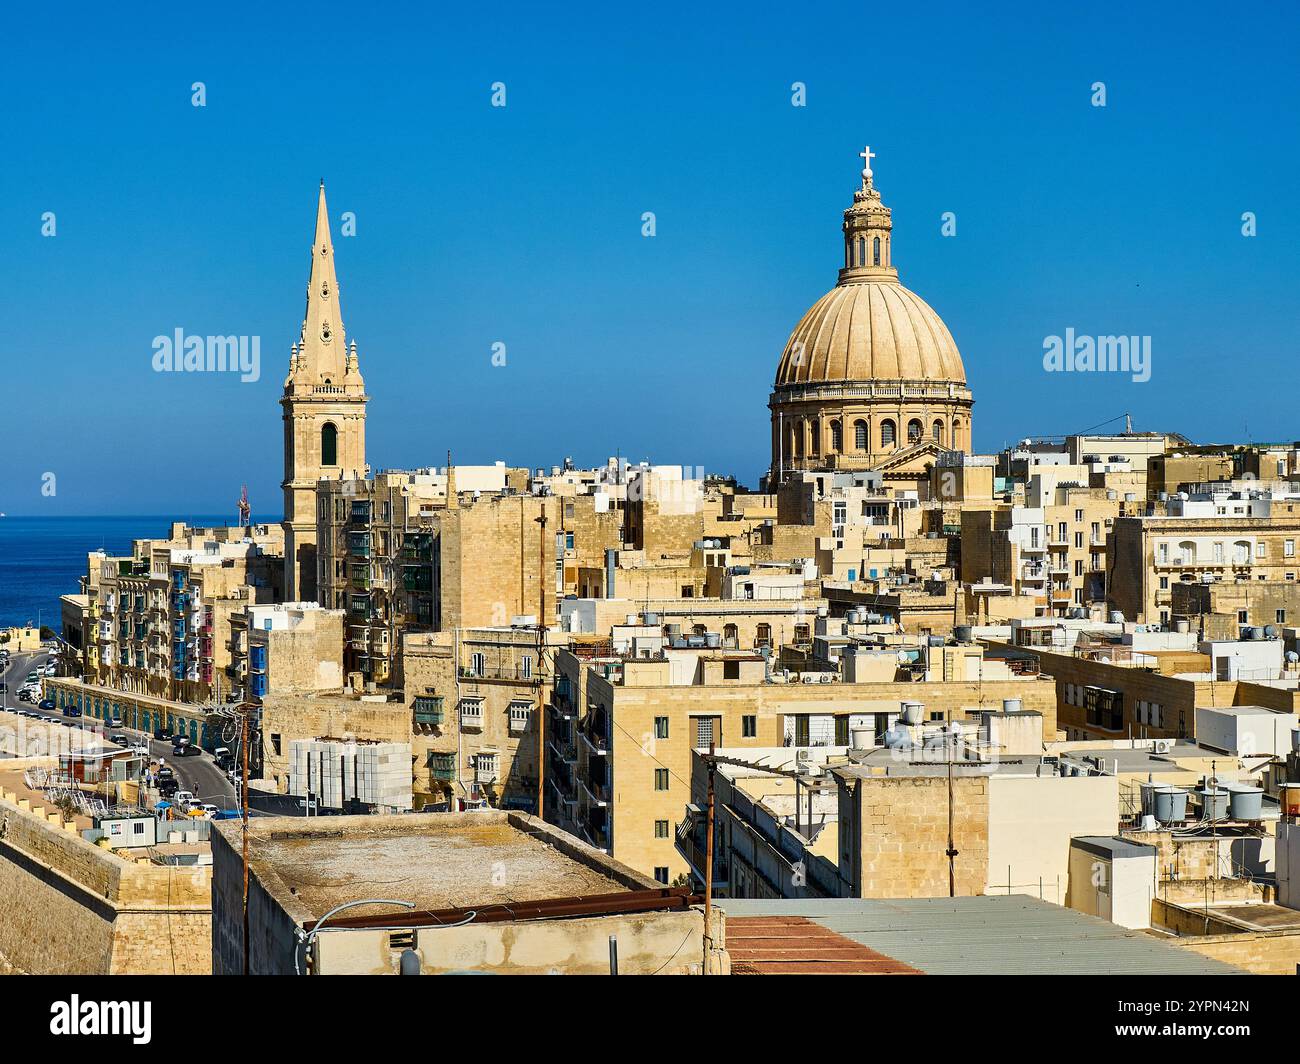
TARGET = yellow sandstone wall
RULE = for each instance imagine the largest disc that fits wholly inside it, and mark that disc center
(75, 908)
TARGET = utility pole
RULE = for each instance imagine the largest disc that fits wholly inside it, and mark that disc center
(245, 709)
(951, 851)
(541, 683)
(708, 858)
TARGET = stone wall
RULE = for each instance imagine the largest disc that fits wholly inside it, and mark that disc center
(74, 908)
(899, 826)
(1258, 952)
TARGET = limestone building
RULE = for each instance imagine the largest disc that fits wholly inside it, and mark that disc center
(870, 378)
(324, 412)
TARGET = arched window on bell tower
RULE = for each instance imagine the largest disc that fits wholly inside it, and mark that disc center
(875, 252)
(329, 444)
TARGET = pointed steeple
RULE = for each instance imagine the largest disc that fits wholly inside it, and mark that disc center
(322, 356)
(324, 405)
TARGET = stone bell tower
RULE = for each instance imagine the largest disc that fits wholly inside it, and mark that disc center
(324, 413)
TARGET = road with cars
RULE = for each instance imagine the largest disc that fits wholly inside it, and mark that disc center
(197, 774)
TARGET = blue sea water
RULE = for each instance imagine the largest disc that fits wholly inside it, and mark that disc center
(42, 558)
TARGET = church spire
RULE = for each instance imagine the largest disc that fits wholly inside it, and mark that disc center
(322, 356)
(867, 232)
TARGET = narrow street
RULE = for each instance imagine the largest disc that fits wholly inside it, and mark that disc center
(198, 774)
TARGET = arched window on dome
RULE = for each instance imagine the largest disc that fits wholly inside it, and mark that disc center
(799, 433)
(815, 437)
(329, 444)
(888, 433)
(862, 251)
(937, 431)
(837, 437)
(957, 439)
(913, 430)
(792, 443)
(860, 436)
(875, 252)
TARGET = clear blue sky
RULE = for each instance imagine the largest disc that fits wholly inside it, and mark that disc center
(522, 225)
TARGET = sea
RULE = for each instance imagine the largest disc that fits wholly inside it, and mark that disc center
(42, 558)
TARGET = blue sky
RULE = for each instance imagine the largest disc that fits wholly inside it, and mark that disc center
(522, 224)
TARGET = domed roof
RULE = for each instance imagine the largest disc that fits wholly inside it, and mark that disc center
(870, 331)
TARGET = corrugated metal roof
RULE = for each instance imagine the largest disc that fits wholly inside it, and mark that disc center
(795, 945)
(992, 935)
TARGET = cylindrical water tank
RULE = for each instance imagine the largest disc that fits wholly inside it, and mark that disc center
(855, 616)
(712, 640)
(1182, 625)
(963, 633)
(1011, 705)
(652, 618)
(1116, 617)
(1295, 740)
(1169, 804)
(1214, 803)
(863, 738)
(1245, 802)
(910, 712)
(674, 630)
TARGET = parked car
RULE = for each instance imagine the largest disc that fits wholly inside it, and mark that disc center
(71, 711)
(140, 749)
(188, 750)
(24, 694)
(210, 809)
(161, 734)
(46, 704)
(182, 799)
(120, 738)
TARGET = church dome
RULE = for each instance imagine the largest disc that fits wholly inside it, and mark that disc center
(870, 331)
(870, 378)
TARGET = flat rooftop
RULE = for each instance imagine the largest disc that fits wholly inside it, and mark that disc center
(884, 762)
(1113, 846)
(1257, 917)
(1245, 711)
(436, 860)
